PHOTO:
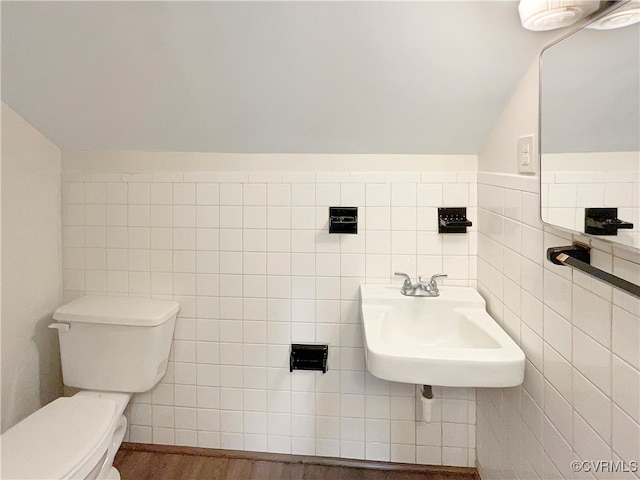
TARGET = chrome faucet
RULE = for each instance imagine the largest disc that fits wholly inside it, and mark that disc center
(420, 288)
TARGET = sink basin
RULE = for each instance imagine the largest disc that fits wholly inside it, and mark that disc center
(449, 341)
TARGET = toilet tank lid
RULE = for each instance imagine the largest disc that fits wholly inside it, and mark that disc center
(132, 311)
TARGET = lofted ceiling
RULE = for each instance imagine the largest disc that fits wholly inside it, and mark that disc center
(265, 77)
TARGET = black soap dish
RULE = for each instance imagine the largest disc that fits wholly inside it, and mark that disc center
(603, 221)
(453, 220)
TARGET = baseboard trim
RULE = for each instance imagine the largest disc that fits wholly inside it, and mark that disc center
(304, 459)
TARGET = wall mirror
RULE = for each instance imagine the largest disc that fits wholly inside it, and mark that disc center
(590, 133)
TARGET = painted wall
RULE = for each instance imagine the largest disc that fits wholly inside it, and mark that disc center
(260, 77)
(580, 397)
(248, 256)
(31, 268)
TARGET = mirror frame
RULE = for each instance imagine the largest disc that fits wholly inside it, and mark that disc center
(582, 24)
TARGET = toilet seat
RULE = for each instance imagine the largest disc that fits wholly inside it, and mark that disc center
(63, 440)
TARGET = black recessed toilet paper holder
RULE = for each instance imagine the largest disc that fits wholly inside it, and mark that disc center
(343, 220)
(308, 357)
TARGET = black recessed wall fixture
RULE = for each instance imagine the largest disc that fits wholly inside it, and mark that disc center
(453, 220)
(603, 221)
(308, 357)
(343, 220)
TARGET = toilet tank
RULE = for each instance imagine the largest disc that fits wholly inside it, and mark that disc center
(119, 344)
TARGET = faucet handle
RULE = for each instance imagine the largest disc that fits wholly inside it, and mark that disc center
(435, 277)
(407, 278)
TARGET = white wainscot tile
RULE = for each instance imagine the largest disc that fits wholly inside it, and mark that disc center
(230, 194)
(184, 193)
(532, 345)
(626, 435)
(593, 360)
(403, 195)
(378, 195)
(589, 194)
(587, 443)
(593, 405)
(455, 195)
(626, 331)
(558, 371)
(557, 333)
(592, 315)
(562, 195)
(626, 388)
(557, 293)
(618, 195)
(207, 194)
(254, 194)
(429, 195)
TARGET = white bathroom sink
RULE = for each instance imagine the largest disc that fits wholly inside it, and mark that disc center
(449, 340)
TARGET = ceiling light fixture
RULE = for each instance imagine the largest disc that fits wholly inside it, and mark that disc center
(541, 15)
(624, 16)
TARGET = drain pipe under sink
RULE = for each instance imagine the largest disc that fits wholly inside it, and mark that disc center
(427, 402)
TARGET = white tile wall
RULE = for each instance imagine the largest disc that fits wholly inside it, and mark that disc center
(580, 397)
(250, 260)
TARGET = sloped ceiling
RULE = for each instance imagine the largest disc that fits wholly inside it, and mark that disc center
(265, 77)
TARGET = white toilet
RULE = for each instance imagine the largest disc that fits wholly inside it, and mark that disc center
(111, 347)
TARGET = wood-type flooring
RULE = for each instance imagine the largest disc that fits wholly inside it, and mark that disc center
(134, 463)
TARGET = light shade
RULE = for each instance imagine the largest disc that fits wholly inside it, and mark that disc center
(541, 15)
(624, 16)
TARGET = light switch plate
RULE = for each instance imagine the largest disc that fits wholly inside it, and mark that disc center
(527, 154)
